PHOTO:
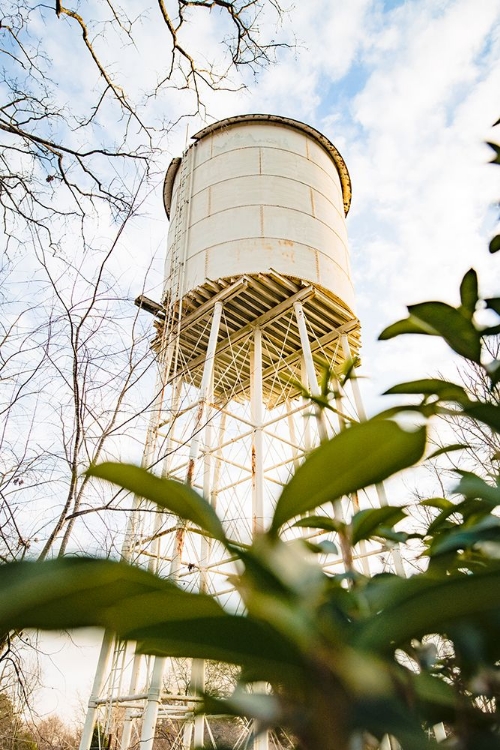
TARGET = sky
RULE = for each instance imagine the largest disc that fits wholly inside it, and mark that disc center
(407, 91)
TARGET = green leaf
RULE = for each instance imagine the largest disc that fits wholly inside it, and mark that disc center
(494, 245)
(348, 369)
(366, 522)
(321, 522)
(493, 370)
(263, 707)
(325, 547)
(407, 325)
(490, 330)
(469, 295)
(433, 689)
(440, 319)
(399, 537)
(438, 502)
(167, 493)
(137, 605)
(324, 384)
(487, 413)
(441, 521)
(234, 639)
(362, 455)
(431, 386)
(448, 449)
(69, 592)
(427, 410)
(423, 604)
(472, 486)
(391, 716)
(449, 323)
(464, 537)
(496, 149)
(493, 303)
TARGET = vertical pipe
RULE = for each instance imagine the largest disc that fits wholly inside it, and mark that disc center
(197, 686)
(127, 722)
(90, 719)
(380, 489)
(150, 715)
(261, 740)
(307, 423)
(187, 735)
(164, 364)
(439, 732)
(360, 407)
(310, 369)
(257, 436)
(218, 460)
(154, 692)
(204, 388)
(198, 665)
(293, 434)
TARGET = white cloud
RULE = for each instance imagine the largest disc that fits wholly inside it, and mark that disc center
(421, 187)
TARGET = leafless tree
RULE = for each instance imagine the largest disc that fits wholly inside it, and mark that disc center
(52, 733)
(79, 135)
(481, 446)
(89, 97)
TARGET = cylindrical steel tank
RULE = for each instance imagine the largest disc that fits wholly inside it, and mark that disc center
(254, 194)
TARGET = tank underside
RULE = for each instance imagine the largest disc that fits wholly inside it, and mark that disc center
(265, 301)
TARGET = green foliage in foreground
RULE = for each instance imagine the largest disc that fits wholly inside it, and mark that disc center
(348, 657)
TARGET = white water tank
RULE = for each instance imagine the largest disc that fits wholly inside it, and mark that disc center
(255, 194)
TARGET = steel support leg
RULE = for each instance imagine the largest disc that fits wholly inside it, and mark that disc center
(90, 719)
(257, 436)
(310, 369)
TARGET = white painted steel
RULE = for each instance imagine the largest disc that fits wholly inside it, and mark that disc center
(309, 364)
(257, 459)
(258, 207)
(263, 195)
(102, 665)
(150, 716)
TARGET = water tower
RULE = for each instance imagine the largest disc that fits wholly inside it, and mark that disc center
(258, 301)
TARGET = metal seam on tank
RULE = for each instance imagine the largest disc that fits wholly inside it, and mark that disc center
(287, 179)
(274, 149)
(308, 130)
(311, 195)
(270, 205)
(253, 147)
(279, 176)
(298, 244)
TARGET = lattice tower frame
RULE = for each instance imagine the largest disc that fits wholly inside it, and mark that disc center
(234, 356)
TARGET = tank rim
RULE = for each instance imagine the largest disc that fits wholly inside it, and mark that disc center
(328, 146)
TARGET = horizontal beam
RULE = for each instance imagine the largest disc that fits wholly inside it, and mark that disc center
(259, 322)
(282, 364)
